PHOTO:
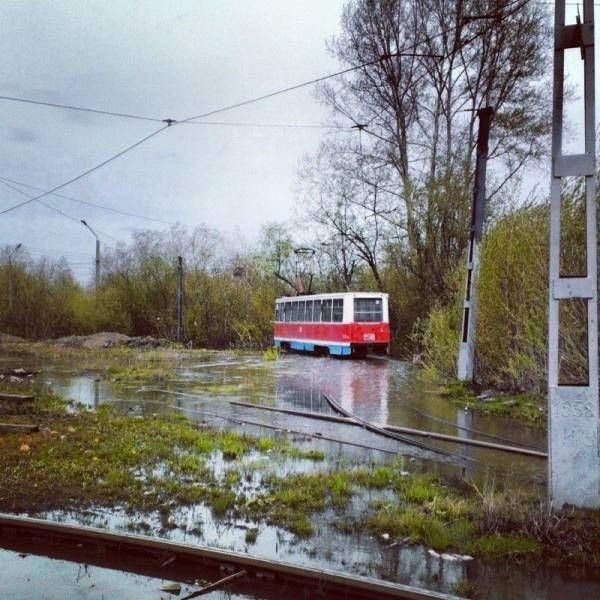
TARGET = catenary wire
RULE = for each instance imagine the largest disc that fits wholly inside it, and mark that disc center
(87, 172)
(57, 210)
(80, 108)
(170, 122)
(157, 120)
(86, 202)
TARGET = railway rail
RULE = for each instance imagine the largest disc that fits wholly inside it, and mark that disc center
(182, 562)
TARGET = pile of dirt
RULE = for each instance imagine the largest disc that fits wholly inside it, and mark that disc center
(7, 337)
(109, 339)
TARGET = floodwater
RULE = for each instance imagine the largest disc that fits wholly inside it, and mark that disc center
(211, 388)
(379, 390)
(28, 576)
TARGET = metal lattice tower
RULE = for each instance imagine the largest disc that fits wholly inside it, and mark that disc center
(574, 449)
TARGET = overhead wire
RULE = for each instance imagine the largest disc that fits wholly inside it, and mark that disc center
(87, 202)
(80, 108)
(88, 171)
(171, 122)
(49, 206)
(158, 120)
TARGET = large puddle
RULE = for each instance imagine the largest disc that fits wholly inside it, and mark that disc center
(212, 387)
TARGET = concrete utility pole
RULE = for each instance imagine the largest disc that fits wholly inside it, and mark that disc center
(466, 353)
(97, 282)
(179, 306)
(573, 444)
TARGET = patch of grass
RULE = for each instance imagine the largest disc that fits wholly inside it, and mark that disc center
(526, 408)
(290, 501)
(222, 501)
(150, 373)
(265, 444)
(493, 546)
(251, 536)
(379, 477)
(217, 388)
(294, 452)
(271, 354)
(301, 526)
(466, 589)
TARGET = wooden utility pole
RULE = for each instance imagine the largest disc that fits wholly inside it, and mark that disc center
(573, 432)
(179, 307)
(466, 353)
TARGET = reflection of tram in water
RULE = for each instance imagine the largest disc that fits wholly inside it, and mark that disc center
(361, 388)
(344, 324)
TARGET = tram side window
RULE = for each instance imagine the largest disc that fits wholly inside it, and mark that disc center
(368, 310)
(301, 305)
(294, 311)
(338, 310)
(308, 312)
(288, 312)
(277, 312)
(317, 311)
(326, 311)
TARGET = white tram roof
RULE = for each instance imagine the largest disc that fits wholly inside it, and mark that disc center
(333, 295)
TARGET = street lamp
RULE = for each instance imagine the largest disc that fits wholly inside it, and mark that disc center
(10, 280)
(83, 222)
(14, 250)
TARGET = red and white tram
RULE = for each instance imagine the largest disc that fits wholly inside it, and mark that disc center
(342, 324)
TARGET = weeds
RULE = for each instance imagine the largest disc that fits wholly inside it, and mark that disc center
(271, 354)
(104, 458)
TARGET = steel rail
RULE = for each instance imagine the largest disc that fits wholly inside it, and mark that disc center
(318, 436)
(239, 421)
(99, 546)
(491, 436)
(403, 430)
(400, 438)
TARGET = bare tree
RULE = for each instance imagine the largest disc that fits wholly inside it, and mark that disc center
(423, 69)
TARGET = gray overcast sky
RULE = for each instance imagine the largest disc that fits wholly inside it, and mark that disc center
(161, 59)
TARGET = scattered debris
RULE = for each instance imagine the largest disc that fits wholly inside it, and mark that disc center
(109, 339)
(7, 337)
(18, 428)
(216, 585)
(449, 557)
(172, 588)
(168, 561)
(16, 397)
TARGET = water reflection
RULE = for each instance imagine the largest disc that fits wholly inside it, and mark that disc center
(378, 390)
(307, 399)
(359, 386)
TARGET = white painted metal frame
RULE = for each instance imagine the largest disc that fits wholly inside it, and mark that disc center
(573, 444)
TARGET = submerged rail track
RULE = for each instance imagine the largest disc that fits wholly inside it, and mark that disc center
(434, 435)
(181, 562)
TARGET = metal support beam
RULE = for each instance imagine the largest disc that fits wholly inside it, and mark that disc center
(466, 353)
(573, 444)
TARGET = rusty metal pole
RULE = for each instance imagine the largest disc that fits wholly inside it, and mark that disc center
(573, 444)
(466, 353)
